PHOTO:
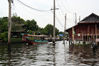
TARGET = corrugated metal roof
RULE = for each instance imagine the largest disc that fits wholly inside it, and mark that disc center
(91, 18)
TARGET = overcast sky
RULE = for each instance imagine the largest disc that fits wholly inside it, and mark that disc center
(82, 7)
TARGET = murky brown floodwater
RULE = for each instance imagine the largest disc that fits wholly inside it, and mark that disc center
(48, 55)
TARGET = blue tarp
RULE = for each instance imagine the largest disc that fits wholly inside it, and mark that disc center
(61, 35)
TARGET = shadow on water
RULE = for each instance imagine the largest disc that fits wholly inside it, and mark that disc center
(9, 55)
(54, 58)
(16, 54)
(86, 54)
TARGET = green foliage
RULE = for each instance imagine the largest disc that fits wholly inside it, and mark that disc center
(4, 36)
(14, 40)
(48, 30)
(61, 32)
(18, 20)
(39, 31)
(31, 25)
(3, 24)
(30, 32)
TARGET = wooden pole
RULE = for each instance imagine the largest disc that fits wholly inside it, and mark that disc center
(88, 32)
(64, 29)
(96, 31)
(9, 23)
(82, 37)
(73, 34)
(54, 22)
(79, 18)
(65, 23)
(75, 18)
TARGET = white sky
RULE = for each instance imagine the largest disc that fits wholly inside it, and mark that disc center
(82, 7)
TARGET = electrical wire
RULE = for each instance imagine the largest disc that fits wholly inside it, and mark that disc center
(61, 14)
(32, 7)
(14, 9)
(59, 21)
(60, 9)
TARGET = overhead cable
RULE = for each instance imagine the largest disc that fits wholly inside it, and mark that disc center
(59, 21)
(32, 7)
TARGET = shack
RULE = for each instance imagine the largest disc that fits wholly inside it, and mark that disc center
(17, 30)
(87, 30)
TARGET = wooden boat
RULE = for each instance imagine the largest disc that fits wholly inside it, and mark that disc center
(35, 39)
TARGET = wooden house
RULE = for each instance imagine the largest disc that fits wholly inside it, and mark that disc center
(86, 30)
(17, 30)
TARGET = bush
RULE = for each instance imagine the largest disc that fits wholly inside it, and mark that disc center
(4, 36)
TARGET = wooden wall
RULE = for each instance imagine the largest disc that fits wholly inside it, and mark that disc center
(83, 31)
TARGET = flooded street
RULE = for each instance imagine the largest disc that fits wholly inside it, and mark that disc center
(47, 55)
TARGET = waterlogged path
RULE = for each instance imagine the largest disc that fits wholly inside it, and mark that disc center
(46, 55)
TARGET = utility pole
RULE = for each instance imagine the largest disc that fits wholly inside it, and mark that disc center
(65, 24)
(9, 22)
(64, 29)
(54, 8)
(75, 18)
(79, 18)
(73, 31)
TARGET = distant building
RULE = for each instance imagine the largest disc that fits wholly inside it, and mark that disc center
(85, 30)
(17, 29)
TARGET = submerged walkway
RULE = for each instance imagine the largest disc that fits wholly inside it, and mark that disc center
(48, 55)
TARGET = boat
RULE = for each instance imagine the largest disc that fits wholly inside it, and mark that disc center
(35, 39)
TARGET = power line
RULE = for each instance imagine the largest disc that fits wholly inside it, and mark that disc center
(59, 21)
(61, 14)
(32, 7)
(14, 9)
(60, 9)
(63, 6)
(41, 11)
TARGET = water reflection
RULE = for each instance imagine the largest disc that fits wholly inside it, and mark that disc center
(54, 53)
(9, 55)
(59, 54)
(85, 54)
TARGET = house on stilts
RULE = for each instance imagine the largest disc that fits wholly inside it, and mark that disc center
(85, 31)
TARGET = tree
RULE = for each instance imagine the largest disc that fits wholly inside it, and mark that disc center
(3, 28)
(17, 20)
(48, 30)
(17, 24)
(4, 36)
(3, 24)
(31, 25)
